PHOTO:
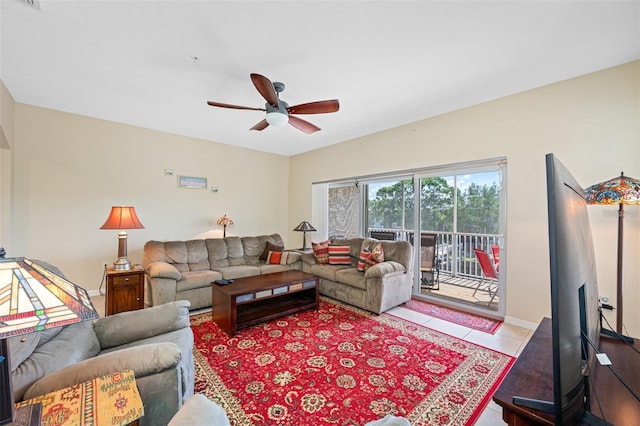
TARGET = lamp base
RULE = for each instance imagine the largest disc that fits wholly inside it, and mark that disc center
(122, 264)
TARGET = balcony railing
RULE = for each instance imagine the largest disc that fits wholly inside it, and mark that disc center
(454, 250)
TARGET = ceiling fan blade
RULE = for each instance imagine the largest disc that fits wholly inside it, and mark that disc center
(266, 89)
(319, 107)
(261, 125)
(303, 125)
(219, 104)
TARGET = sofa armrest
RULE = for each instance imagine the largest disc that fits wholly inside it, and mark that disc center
(144, 360)
(162, 270)
(380, 270)
(131, 326)
(293, 257)
(309, 258)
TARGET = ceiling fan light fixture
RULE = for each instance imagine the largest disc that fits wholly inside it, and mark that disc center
(276, 118)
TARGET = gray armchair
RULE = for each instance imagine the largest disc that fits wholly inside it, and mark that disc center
(155, 343)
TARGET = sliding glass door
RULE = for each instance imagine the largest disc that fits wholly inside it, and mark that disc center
(460, 207)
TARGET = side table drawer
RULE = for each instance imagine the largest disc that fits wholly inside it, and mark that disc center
(127, 279)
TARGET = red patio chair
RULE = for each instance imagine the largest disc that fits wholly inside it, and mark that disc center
(495, 251)
(489, 274)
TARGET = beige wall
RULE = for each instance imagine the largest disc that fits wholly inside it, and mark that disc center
(590, 123)
(69, 170)
(6, 136)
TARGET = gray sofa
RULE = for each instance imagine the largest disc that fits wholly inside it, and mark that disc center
(155, 343)
(379, 288)
(184, 270)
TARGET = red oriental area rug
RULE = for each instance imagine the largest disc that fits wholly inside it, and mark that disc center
(340, 365)
(477, 322)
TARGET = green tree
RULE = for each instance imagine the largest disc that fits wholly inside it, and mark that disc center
(385, 206)
(477, 206)
(479, 209)
(436, 204)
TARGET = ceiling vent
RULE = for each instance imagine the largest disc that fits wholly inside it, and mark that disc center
(31, 3)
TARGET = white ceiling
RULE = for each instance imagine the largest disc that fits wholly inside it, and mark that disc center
(388, 62)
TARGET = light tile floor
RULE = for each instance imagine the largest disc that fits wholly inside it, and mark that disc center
(508, 339)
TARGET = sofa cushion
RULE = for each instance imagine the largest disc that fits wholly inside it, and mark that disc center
(327, 271)
(218, 253)
(265, 268)
(235, 251)
(116, 330)
(164, 356)
(197, 255)
(20, 347)
(352, 277)
(76, 341)
(175, 253)
(233, 272)
(197, 279)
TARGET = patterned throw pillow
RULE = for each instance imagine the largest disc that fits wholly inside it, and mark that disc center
(376, 256)
(321, 250)
(277, 257)
(363, 259)
(269, 247)
(339, 255)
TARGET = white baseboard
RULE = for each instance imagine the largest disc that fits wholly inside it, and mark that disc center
(520, 323)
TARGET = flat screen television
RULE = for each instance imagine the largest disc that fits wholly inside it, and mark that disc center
(575, 314)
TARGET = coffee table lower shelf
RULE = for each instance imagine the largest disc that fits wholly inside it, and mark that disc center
(254, 313)
(252, 300)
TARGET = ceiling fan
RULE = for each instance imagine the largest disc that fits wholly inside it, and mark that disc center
(278, 111)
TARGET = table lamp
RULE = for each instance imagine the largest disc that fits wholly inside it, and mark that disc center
(122, 217)
(33, 298)
(304, 227)
(224, 221)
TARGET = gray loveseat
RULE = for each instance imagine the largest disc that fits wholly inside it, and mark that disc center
(379, 288)
(155, 343)
(184, 270)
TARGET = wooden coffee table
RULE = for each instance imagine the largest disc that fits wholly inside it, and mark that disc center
(252, 300)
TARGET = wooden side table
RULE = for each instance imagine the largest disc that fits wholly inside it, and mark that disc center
(125, 290)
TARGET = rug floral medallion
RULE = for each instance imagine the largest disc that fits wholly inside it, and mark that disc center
(340, 365)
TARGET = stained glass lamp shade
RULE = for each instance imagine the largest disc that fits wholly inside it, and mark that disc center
(224, 221)
(620, 190)
(34, 298)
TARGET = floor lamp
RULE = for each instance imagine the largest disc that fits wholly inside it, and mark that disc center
(620, 190)
(34, 298)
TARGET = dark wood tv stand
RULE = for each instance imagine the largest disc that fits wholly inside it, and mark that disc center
(532, 377)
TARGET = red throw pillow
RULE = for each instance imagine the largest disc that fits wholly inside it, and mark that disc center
(376, 256)
(339, 255)
(321, 250)
(269, 247)
(363, 259)
(277, 257)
